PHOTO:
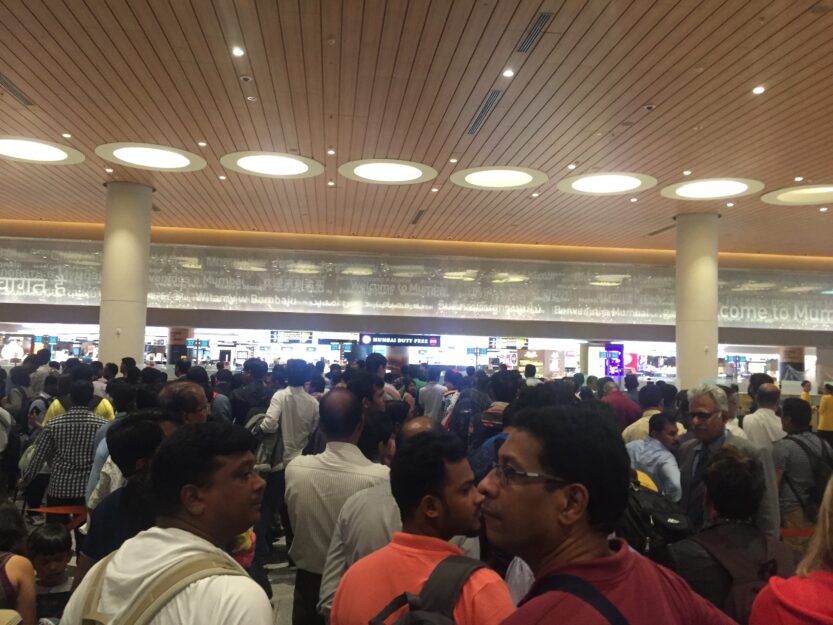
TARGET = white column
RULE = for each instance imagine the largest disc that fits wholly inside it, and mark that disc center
(124, 271)
(696, 298)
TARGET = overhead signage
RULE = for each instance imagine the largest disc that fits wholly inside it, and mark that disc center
(201, 343)
(482, 351)
(614, 360)
(290, 336)
(408, 340)
(508, 342)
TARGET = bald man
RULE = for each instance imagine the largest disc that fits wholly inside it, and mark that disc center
(366, 522)
(763, 427)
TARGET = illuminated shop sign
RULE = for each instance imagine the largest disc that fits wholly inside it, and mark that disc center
(507, 342)
(408, 340)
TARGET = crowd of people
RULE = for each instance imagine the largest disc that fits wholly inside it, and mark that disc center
(477, 497)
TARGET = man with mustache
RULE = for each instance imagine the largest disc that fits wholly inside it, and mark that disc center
(433, 486)
(709, 413)
(558, 487)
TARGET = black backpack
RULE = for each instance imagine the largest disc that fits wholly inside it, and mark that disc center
(822, 468)
(436, 601)
(468, 407)
(651, 522)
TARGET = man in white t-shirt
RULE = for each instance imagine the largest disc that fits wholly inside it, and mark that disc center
(763, 427)
(207, 493)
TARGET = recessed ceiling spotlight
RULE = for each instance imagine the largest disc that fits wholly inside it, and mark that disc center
(823, 209)
(452, 160)
(221, 177)
(535, 194)
(151, 157)
(759, 90)
(687, 172)
(571, 166)
(497, 178)
(238, 51)
(36, 151)
(729, 204)
(251, 98)
(606, 183)
(387, 171)
(331, 183)
(634, 199)
(66, 135)
(434, 189)
(202, 144)
(712, 189)
(799, 178)
(109, 170)
(508, 73)
(804, 195)
(331, 152)
(272, 164)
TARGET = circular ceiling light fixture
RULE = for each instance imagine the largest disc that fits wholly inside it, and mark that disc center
(499, 178)
(387, 171)
(151, 157)
(805, 195)
(27, 150)
(712, 189)
(607, 183)
(272, 164)
(759, 90)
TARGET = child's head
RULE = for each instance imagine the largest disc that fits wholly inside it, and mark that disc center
(50, 549)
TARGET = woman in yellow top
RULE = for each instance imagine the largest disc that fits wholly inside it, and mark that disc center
(805, 391)
(826, 414)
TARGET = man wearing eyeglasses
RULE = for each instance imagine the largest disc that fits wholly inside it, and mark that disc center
(559, 486)
(709, 413)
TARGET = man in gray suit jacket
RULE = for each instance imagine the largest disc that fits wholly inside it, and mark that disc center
(709, 412)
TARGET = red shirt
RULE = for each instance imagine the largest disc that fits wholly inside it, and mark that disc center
(795, 601)
(404, 566)
(641, 590)
(627, 411)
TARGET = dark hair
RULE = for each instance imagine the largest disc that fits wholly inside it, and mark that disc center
(669, 395)
(110, 370)
(128, 362)
(12, 529)
(256, 368)
(828, 388)
(631, 382)
(148, 375)
(43, 356)
(132, 439)
(578, 380)
(659, 421)
(20, 376)
(363, 385)
(735, 483)
(180, 398)
(50, 385)
(650, 396)
(503, 386)
(378, 428)
(340, 413)
(434, 373)
(767, 398)
(799, 412)
(454, 378)
(223, 375)
(132, 374)
(82, 372)
(197, 375)
(49, 539)
(374, 361)
(470, 371)
(803, 382)
(97, 367)
(583, 445)
(397, 411)
(81, 392)
(296, 372)
(183, 365)
(756, 380)
(316, 384)
(122, 394)
(189, 456)
(418, 468)
(530, 370)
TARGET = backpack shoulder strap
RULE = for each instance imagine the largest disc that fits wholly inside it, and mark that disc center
(443, 587)
(174, 581)
(90, 614)
(585, 591)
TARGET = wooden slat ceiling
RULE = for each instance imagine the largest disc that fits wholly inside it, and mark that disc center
(404, 79)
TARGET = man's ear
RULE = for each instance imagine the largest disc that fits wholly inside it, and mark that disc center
(430, 507)
(574, 500)
(192, 500)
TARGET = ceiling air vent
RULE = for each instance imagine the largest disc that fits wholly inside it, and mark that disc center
(534, 32)
(483, 112)
(9, 87)
(661, 230)
(417, 217)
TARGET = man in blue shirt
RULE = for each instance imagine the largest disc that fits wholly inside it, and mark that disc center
(653, 456)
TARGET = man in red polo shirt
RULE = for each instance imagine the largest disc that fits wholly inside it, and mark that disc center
(433, 486)
(559, 486)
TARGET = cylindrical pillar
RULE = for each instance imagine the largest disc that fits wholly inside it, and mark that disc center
(696, 298)
(124, 271)
(583, 358)
(824, 366)
(791, 363)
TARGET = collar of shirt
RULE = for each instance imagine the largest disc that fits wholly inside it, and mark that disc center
(296, 390)
(650, 413)
(347, 452)
(417, 542)
(766, 412)
(595, 571)
(654, 445)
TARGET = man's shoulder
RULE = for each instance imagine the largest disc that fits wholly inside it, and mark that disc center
(742, 443)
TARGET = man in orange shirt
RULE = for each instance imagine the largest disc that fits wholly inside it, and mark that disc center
(433, 485)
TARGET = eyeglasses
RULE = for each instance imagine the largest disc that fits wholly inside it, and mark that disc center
(507, 474)
(703, 415)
